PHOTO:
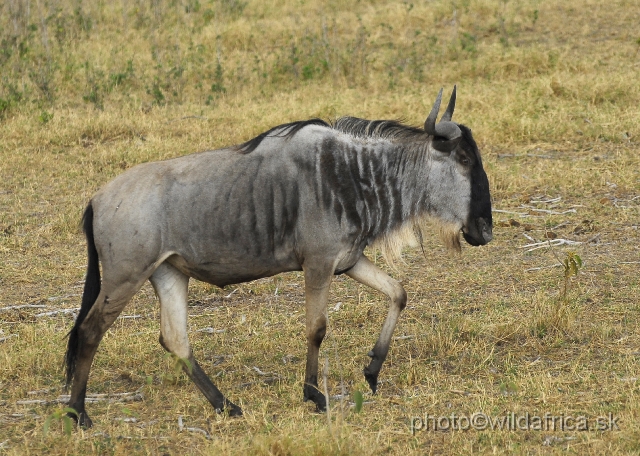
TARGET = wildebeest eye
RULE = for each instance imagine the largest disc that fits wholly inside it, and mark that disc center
(465, 161)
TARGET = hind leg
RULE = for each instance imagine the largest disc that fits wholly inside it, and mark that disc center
(104, 312)
(317, 280)
(171, 287)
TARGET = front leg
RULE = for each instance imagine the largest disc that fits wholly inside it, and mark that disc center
(369, 274)
(317, 279)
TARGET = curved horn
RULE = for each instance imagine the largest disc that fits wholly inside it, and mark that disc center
(446, 117)
(446, 134)
(430, 123)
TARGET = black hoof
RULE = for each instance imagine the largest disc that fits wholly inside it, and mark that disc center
(372, 380)
(82, 419)
(312, 394)
(235, 411)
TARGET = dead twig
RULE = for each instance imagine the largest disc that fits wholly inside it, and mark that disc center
(23, 306)
(510, 212)
(59, 298)
(135, 396)
(56, 312)
(547, 211)
(549, 243)
(548, 201)
(210, 330)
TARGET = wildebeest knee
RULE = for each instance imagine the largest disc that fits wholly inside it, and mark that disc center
(317, 333)
(400, 297)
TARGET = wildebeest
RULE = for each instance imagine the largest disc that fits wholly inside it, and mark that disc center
(305, 196)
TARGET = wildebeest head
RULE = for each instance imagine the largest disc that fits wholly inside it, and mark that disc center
(461, 198)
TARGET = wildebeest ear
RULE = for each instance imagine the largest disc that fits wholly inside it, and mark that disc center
(446, 134)
(445, 146)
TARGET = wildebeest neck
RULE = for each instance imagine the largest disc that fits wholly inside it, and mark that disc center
(372, 186)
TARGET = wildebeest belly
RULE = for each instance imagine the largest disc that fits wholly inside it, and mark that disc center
(222, 271)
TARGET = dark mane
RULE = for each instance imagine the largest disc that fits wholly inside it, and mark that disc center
(282, 131)
(364, 128)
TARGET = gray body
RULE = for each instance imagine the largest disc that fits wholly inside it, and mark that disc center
(265, 206)
(304, 196)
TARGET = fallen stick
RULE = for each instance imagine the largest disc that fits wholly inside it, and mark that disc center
(259, 371)
(23, 306)
(182, 427)
(91, 398)
(229, 295)
(210, 330)
(23, 415)
(549, 243)
(56, 312)
(42, 391)
(200, 431)
(552, 200)
(126, 420)
(510, 212)
(547, 211)
(58, 298)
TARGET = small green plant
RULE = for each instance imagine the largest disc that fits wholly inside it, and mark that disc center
(4, 106)
(61, 416)
(358, 398)
(572, 264)
(156, 93)
(468, 43)
(95, 86)
(127, 411)
(118, 78)
(217, 86)
(45, 117)
(179, 365)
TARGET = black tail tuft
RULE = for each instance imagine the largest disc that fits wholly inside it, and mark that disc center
(90, 294)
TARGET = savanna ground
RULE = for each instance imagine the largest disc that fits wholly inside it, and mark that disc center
(551, 90)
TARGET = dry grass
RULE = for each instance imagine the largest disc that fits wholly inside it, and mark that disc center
(550, 90)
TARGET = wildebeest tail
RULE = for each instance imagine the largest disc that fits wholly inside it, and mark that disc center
(90, 294)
